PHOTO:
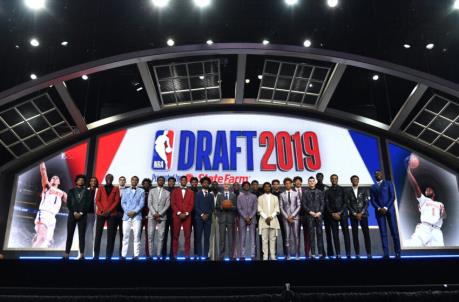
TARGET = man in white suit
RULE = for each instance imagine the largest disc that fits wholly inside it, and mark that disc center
(268, 225)
(159, 202)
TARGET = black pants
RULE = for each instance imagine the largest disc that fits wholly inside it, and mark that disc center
(328, 235)
(71, 225)
(280, 218)
(119, 225)
(366, 234)
(315, 234)
(168, 227)
(345, 229)
(111, 235)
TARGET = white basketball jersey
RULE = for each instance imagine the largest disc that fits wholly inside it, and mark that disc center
(431, 211)
(51, 200)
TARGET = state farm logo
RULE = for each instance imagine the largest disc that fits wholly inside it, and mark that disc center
(163, 149)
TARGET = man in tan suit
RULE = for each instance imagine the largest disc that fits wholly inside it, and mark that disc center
(268, 225)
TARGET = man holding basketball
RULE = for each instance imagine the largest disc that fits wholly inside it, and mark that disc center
(226, 211)
(428, 232)
(51, 200)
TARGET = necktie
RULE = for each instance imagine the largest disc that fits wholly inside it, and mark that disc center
(205, 193)
(226, 195)
(289, 200)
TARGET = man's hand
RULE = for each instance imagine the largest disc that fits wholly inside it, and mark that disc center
(359, 216)
(268, 220)
(248, 220)
(106, 213)
(156, 216)
(76, 215)
(205, 217)
(382, 211)
(131, 214)
(290, 219)
(336, 216)
(182, 216)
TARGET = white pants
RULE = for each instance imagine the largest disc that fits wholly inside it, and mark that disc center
(49, 221)
(136, 226)
(214, 232)
(156, 231)
(426, 235)
(268, 237)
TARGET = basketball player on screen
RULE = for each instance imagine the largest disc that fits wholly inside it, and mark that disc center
(51, 200)
(428, 232)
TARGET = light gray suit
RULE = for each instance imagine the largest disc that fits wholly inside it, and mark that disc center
(291, 207)
(159, 202)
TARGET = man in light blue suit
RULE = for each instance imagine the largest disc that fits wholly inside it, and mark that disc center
(383, 198)
(132, 202)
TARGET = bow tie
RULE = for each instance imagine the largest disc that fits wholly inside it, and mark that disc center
(133, 188)
(183, 188)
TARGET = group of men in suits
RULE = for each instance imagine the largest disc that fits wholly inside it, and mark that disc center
(218, 217)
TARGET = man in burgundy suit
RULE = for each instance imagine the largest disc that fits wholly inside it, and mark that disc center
(182, 203)
(107, 200)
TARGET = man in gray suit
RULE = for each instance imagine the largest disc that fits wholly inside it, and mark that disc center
(158, 203)
(226, 220)
(290, 206)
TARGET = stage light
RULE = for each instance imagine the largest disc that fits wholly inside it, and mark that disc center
(307, 43)
(201, 3)
(456, 4)
(34, 42)
(406, 46)
(33, 76)
(17, 46)
(291, 2)
(247, 81)
(375, 77)
(260, 77)
(35, 4)
(170, 42)
(201, 77)
(332, 3)
(265, 42)
(209, 42)
(430, 46)
(160, 3)
(64, 43)
(84, 77)
(139, 88)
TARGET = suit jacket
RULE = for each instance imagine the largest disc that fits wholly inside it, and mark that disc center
(358, 204)
(226, 216)
(106, 202)
(265, 211)
(203, 204)
(182, 204)
(290, 209)
(81, 205)
(382, 195)
(159, 203)
(247, 205)
(310, 204)
(133, 201)
(335, 200)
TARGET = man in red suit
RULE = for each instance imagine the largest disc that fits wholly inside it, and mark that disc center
(182, 203)
(107, 200)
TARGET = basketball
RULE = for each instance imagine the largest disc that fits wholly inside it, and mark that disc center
(227, 204)
(168, 150)
(413, 162)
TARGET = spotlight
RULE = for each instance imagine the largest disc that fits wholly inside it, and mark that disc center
(170, 42)
(201, 3)
(291, 2)
(332, 3)
(139, 88)
(35, 4)
(307, 43)
(84, 77)
(456, 4)
(406, 46)
(209, 42)
(247, 81)
(17, 46)
(265, 42)
(375, 77)
(430, 46)
(34, 42)
(33, 76)
(64, 43)
(201, 77)
(160, 3)
(260, 77)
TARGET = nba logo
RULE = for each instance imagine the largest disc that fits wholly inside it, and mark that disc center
(162, 152)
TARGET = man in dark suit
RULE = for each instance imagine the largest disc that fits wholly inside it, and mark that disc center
(78, 202)
(168, 227)
(182, 203)
(226, 220)
(337, 212)
(382, 198)
(357, 200)
(203, 209)
(313, 205)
